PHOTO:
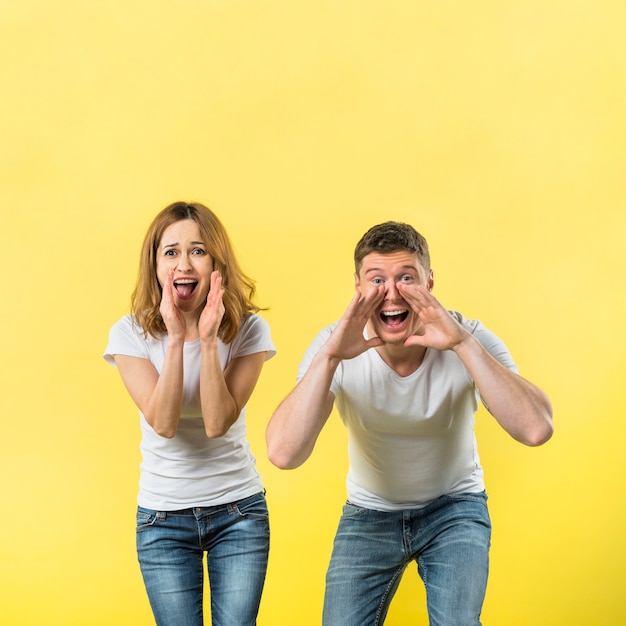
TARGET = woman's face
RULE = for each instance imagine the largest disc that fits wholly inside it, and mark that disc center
(183, 252)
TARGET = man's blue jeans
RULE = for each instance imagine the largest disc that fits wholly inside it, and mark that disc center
(171, 546)
(449, 539)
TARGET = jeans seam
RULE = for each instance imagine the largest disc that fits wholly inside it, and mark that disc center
(380, 612)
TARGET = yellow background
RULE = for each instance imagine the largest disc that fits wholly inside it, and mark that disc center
(496, 128)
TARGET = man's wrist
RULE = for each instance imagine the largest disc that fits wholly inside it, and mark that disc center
(465, 345)
(330, 360)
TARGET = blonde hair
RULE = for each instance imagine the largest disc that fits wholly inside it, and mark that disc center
(239, 289)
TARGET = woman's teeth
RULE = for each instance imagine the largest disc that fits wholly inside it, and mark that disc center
(185, 287)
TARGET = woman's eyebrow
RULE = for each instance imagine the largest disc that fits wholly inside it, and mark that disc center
(173, 245)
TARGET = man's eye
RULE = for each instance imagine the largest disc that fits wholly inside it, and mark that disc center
(377, 281)
(407, 279)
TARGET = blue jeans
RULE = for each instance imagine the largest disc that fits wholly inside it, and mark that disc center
(449, 539)
(171, 547)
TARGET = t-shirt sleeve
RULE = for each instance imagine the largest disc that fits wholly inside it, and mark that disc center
(125, 338)
(311, 351)
(491, 342)
(254, 336)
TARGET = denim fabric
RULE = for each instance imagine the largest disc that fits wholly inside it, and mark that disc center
(449, 539)
(171, 546)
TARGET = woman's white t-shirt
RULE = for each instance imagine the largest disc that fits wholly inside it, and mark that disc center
(191, 470)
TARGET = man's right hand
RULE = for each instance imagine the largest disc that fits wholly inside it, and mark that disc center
(347, 340)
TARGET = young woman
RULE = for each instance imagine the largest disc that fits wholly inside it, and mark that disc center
(190, 355)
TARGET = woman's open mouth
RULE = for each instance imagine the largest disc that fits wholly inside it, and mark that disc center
(185, 287)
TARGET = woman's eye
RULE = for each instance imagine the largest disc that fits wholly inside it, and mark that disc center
(169, 253)
(199, 251)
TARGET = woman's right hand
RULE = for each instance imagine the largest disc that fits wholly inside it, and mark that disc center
(171, 314)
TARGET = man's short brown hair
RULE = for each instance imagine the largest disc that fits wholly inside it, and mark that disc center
(391, 237)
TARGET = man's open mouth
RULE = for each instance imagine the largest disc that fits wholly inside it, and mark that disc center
(394, 318)
(185, 287)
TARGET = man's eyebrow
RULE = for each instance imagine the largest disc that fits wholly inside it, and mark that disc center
(379, 269)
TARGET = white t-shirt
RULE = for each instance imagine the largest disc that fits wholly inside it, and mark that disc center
(190, 469)
(410, 439)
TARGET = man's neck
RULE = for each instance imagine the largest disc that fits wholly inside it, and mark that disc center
(404, 360)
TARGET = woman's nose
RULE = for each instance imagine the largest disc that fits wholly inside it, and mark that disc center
(183, 262)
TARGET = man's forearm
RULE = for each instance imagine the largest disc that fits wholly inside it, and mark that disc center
(521, 408)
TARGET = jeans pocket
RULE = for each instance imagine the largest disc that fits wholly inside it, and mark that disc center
(146, 518)
(480, 497)
(254, 506)
(352, 510)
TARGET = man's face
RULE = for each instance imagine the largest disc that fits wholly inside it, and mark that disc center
(394, 320)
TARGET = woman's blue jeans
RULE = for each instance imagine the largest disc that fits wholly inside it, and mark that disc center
(171, 547)
(449, 539)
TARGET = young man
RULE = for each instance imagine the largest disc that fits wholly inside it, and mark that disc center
(406, 375)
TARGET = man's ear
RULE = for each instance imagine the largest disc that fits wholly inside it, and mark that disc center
(431, 280)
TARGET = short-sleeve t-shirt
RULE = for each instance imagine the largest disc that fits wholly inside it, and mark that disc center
(190, 469)
(410, 439)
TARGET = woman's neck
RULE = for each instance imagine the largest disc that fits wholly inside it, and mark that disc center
(191, 326)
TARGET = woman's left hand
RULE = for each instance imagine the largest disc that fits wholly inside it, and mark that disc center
(213, 312)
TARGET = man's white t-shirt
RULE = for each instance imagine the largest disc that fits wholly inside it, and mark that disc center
(410, 439)
(191, 470)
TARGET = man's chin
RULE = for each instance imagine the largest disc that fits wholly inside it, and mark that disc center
(395, 337)
(396, 341)
(391, 338)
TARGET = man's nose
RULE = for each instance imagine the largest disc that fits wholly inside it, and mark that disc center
(391, 291)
